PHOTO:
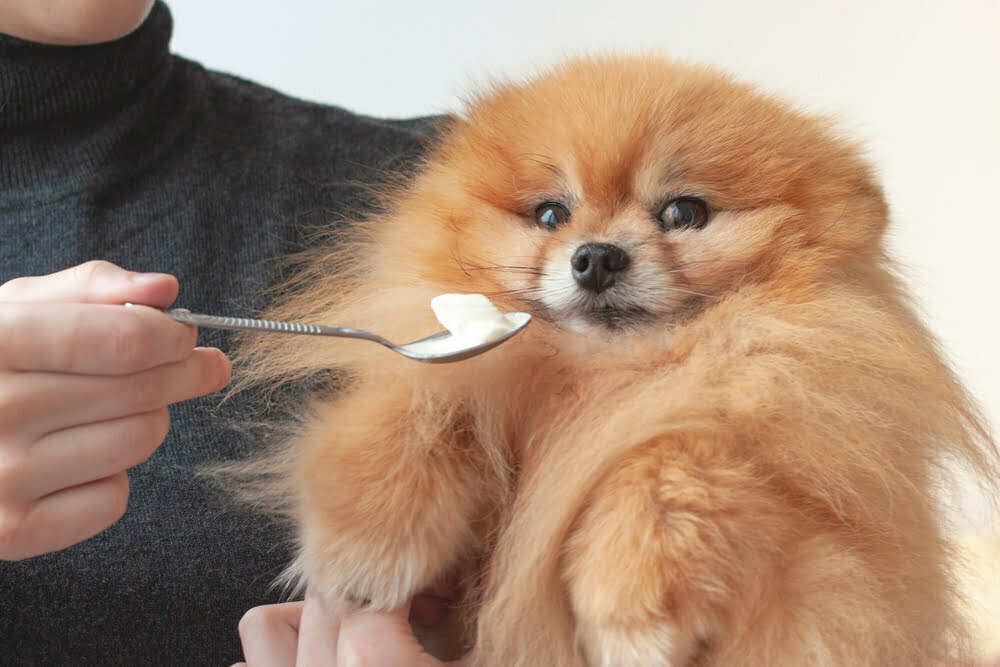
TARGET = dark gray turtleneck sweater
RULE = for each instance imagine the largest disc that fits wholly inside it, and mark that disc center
(126, 153)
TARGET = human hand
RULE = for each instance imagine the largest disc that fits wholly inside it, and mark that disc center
(304, 634)
(84, 389)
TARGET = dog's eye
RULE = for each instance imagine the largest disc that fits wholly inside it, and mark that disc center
(552, 215)
(684, 213)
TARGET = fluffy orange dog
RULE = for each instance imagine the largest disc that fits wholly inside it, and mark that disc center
(719, 441)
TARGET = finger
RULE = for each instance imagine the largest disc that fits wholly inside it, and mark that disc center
(380, 638)
(428, 610)
(63, 518)
(90, 339)
(431, 606)
(82, 454)
(47, 402)
(93, 282)
(446, 587)
(269, 634)
(318, 632)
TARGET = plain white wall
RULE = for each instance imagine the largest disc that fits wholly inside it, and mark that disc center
(920, 81)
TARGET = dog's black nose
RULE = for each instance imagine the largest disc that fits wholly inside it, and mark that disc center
(596, 266)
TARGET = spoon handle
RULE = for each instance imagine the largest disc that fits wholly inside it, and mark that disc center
(270, 326)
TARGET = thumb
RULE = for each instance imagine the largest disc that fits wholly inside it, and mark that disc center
(380, 638)
(93, 282)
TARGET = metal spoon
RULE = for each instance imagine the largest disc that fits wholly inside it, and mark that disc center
(440, 348)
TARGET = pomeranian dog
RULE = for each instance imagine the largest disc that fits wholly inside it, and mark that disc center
(720, 440)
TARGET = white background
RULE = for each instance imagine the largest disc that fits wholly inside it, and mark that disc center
(920, 81)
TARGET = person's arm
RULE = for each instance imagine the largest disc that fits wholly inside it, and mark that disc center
(84, 388)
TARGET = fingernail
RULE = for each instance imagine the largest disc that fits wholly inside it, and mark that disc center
(349, 656)
(148, 277)
(227, 369)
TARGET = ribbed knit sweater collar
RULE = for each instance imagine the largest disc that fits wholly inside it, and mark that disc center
(41, 83)
(61, 105)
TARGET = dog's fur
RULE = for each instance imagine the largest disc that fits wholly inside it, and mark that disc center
(728, 457)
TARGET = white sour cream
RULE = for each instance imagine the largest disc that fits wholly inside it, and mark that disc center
(472, 321)
(471, 317)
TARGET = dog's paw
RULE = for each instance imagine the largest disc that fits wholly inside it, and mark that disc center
(655, 644)
(352, 568)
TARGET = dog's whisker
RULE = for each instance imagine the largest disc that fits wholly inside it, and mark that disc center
(698, 284)
(509, 269)
(677, 268)
(474, 264)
